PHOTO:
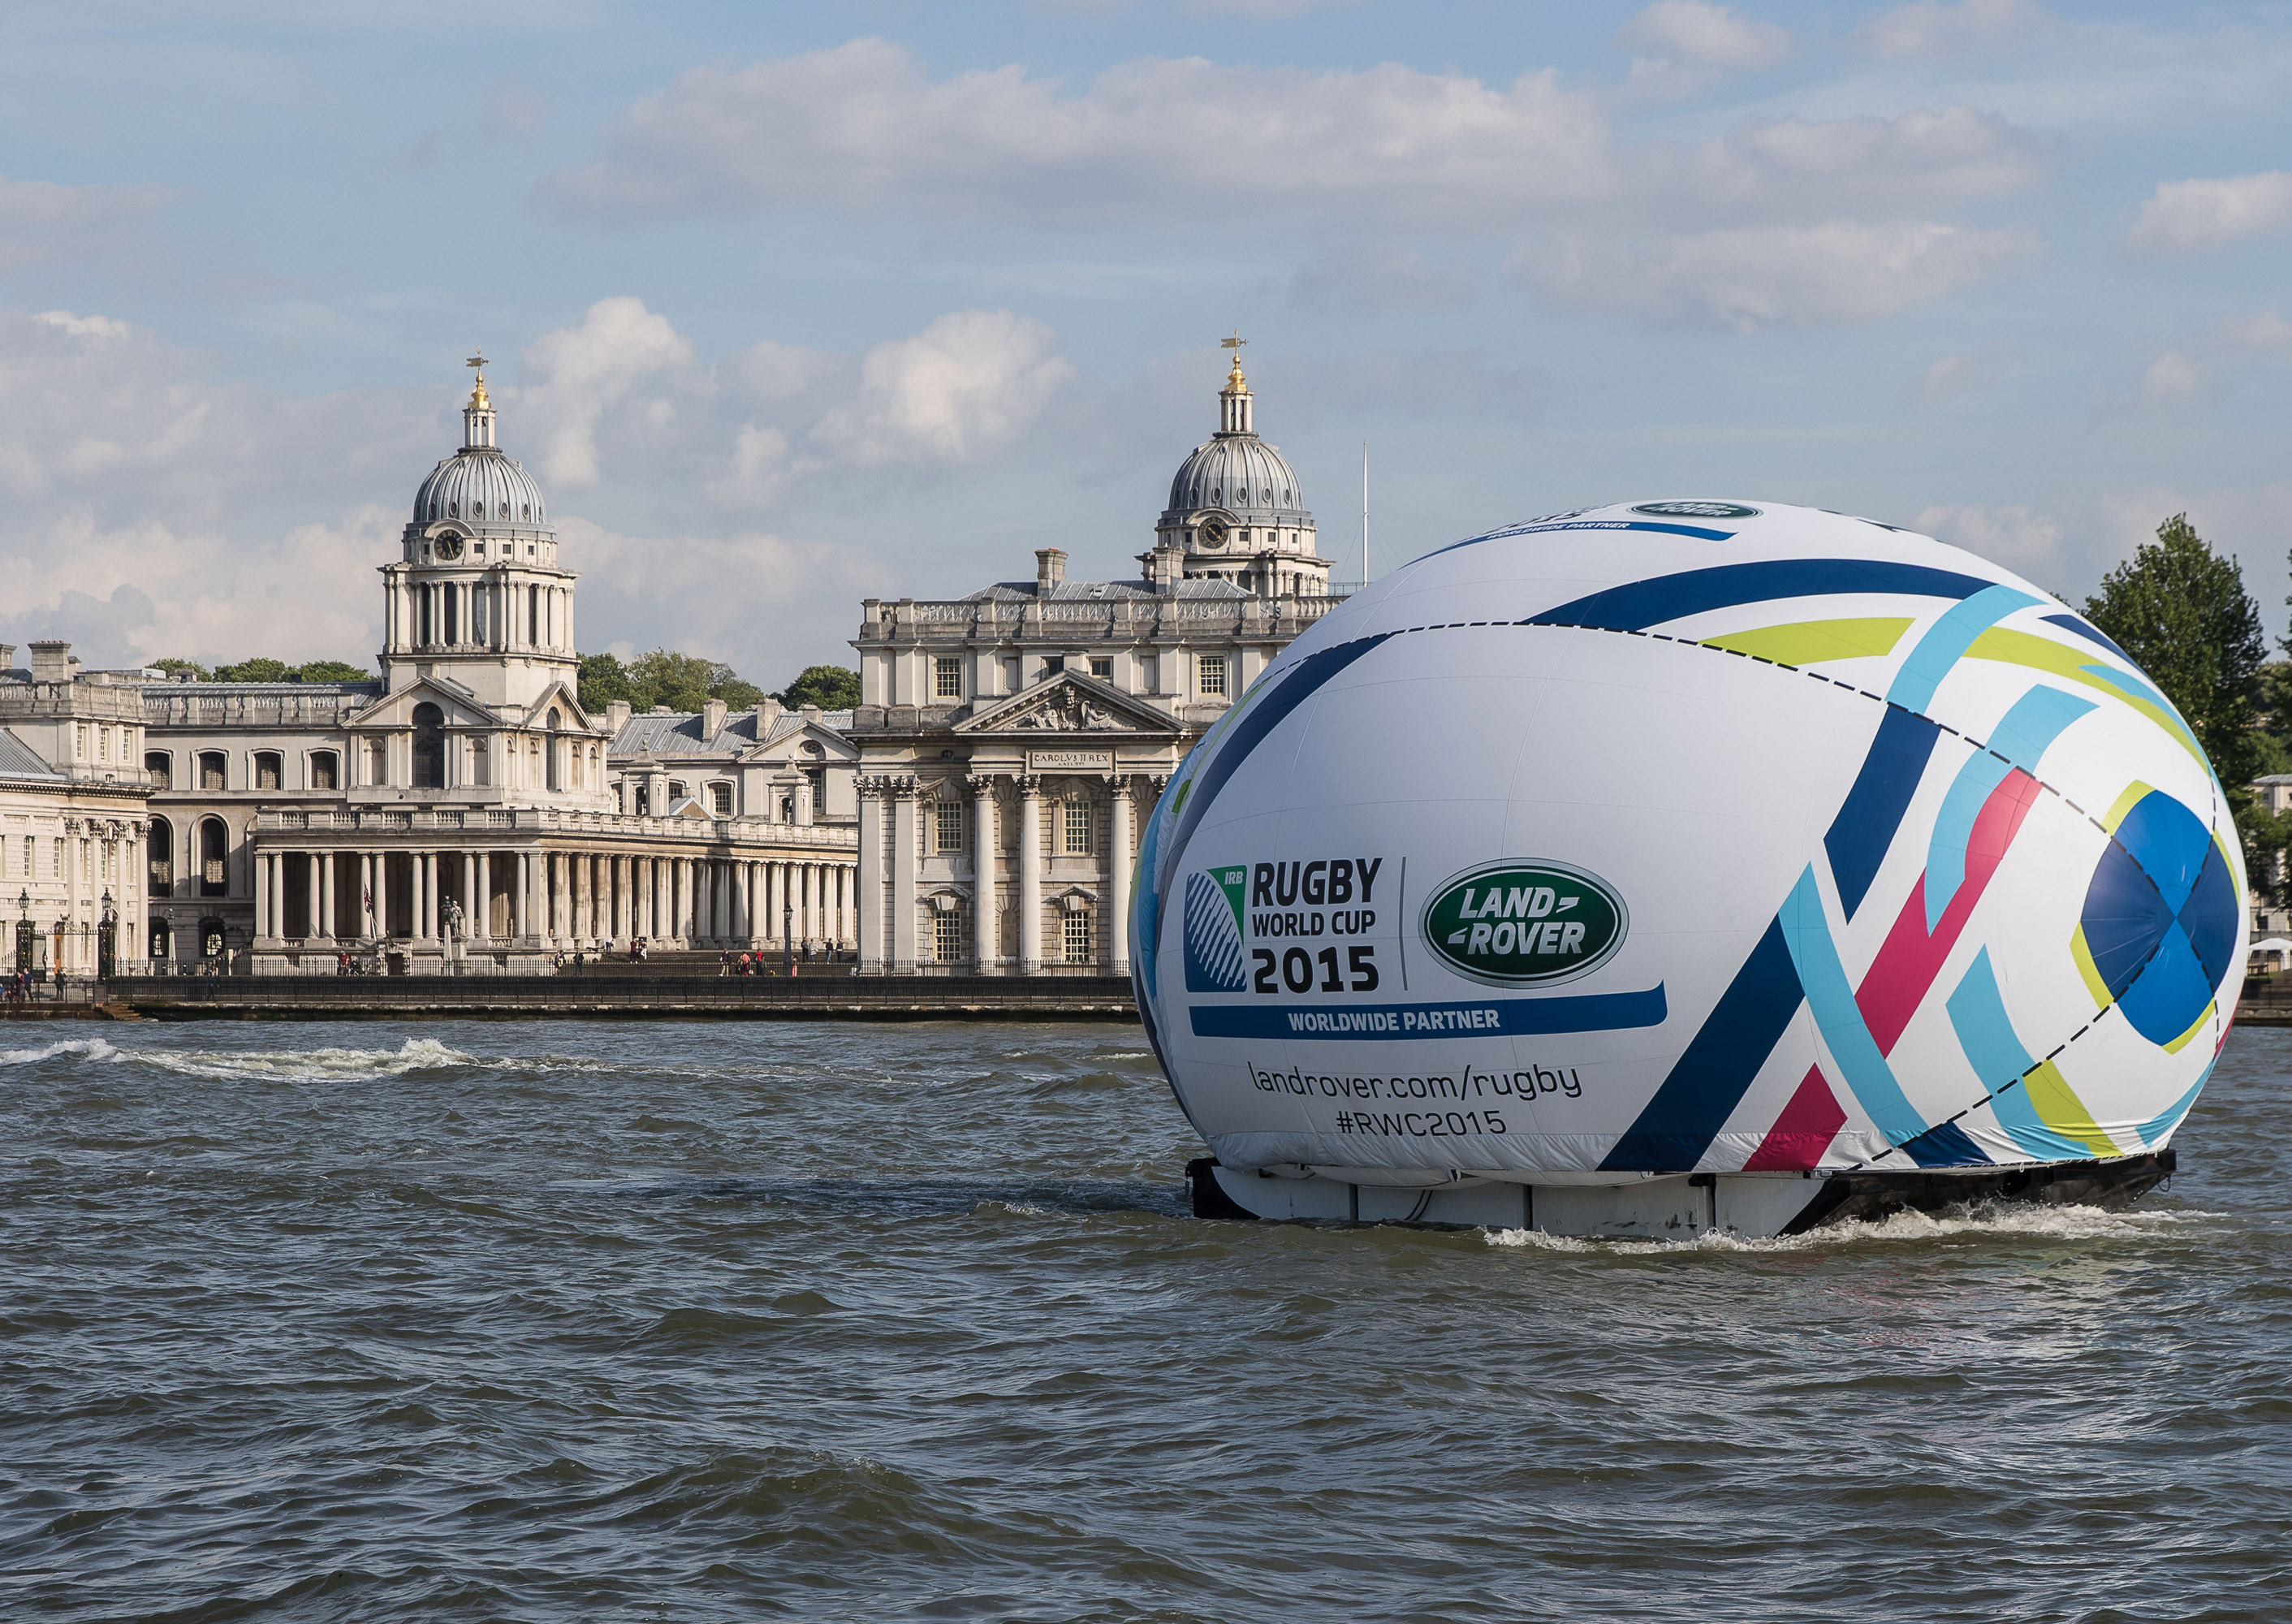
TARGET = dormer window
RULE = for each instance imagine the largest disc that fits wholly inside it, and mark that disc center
(453, 510)
(528, 510)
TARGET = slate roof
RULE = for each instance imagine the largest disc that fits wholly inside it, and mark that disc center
(18, 760)
(679, 733)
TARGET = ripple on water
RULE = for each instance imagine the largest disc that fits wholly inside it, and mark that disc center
(556, 1321)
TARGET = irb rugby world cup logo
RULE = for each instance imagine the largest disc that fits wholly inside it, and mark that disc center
(1213, 955)
(1524, 924)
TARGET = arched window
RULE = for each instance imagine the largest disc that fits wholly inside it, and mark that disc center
(266, 770)
(161, 849)
(429, 747)
(214, 854)
(326, 772)
(210, 769)
(159, 766)
(556, 775)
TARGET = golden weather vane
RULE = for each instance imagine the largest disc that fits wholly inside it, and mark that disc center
(1234, 343)
(477, 363)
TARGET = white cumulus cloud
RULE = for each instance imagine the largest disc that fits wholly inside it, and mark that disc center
(965, 387)
(1699, 32)
(1931, 29)
(2016, 536)
(1704, 228)
(2194, 216)
(1789, 276)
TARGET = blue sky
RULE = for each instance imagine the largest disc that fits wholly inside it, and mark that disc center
(796, 304)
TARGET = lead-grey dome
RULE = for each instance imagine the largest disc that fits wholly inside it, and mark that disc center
(1239, 473)
(483, 489)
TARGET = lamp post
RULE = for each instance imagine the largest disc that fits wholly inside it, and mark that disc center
(24, 931)
(788, 931)
(107, 940)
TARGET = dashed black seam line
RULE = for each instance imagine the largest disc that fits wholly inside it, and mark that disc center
(1982, 745)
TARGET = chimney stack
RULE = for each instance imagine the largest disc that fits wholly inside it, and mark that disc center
(712, 719)
(7, 657)
(616, 715)
(1050, 567)
(53, 661)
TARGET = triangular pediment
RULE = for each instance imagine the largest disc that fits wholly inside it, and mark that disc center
(1069, 703)
(396, 710)
(561, 697)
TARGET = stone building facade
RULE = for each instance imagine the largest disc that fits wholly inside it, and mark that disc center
(462, 811)
(1012, 742)
(73, 810)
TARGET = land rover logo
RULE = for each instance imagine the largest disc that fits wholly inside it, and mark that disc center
(1697, 510)
(1521, 924)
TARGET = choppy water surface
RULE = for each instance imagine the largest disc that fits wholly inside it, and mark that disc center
(685, 1322)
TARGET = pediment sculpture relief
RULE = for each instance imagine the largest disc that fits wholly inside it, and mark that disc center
(1069, 712)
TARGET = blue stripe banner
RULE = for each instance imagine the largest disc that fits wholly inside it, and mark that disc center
(1597, 1012)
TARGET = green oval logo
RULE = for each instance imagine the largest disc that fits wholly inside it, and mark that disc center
(1520, 923)
(1697, 510)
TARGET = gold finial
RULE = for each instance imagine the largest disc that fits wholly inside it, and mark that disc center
(1234, 380)
(478, 396)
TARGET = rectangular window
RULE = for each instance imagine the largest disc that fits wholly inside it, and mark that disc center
(79, 741)
(453, 614)
(947, 817)
(378, 762)
(210, 769)
(103, 744)
(324, 773)
(723, 795)
(947, 937)
(1101, 667)
(107, 860)
(155, 765)
(946, 678)
(27, 857)
(1077, 937)
(1078, 822)
(266, 770)
(1055, 664)
(59, 858)
(1211, 670)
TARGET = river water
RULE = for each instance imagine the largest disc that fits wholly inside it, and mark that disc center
(690, 1321)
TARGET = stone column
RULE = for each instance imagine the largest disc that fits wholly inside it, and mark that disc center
(262, 888)
(1030, 874)
(906, 864)
(585, 897)
(521, 894)
(561, 900)
(984, 918)
(326, 897)
(482, 922)
(1117, 876)
(428, 929)
(873, 949)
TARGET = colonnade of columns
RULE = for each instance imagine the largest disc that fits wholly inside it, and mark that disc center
(890, 930)
(549, 898)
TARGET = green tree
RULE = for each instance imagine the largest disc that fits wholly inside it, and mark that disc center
(829, 687)
(684, 682)
(261, 668)
(603, 680)
(2181, 610)
(172, 665)
(331, 671)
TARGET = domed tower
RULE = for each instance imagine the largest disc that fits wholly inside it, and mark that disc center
(1236, 513)
(476, 595)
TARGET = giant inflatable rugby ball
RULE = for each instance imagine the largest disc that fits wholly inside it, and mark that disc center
(1685, 838)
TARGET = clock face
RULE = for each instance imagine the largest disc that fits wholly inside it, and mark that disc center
(1213, 532)
(448, 548)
